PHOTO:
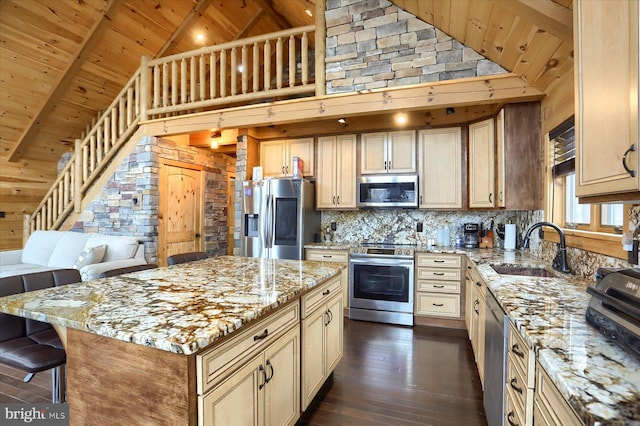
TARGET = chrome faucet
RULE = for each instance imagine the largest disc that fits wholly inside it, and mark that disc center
(560, 261)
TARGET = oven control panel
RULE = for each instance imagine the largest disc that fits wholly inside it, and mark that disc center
(382, 251)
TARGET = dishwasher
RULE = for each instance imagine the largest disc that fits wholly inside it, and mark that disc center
(495, 344)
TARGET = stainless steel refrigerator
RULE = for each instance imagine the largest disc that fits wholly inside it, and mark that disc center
(278, 218)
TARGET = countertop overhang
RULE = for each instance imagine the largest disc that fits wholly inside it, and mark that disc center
(182, 308)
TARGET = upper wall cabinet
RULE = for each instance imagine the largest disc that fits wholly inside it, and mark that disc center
(440, 168)
(482, 164)
(336, 180)
(606, 78)
(519, 157)
(388, 152)
(276, 157)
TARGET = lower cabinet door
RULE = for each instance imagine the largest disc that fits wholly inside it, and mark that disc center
(282, 365)
(334, 330)
(313, 365)
(236, 401)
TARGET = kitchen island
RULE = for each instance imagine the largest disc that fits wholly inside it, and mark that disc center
(167, 346)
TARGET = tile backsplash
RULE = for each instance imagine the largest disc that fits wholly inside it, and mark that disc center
(400, 225)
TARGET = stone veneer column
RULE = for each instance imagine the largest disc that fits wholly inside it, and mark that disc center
(373, 44)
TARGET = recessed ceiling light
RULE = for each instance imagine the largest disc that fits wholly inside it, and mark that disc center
(401, 119)
(240, 68)
(342, 120)
(308, 12)
(200, 37)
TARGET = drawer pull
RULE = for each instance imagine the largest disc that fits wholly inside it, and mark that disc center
(438, 304)
(516, 350)
(509, 416)
(438, 273)
(327, 291)
(264, 334)
(327, 256)
(478, 284)
(438, 261)
(264, 377)
(438, 286)
(514, 386)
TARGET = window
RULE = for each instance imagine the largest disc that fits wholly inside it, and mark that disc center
(592, 227)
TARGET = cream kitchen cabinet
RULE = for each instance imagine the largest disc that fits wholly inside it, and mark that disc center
(276, 157)
(477, 322)
(336, 180)
(440, 168)
(438, 286)
(520, 380)
(482, 164)
(388, 152)
(263, 389)
(336, 256)
(322, 341)
(606, 43)
(550, 407)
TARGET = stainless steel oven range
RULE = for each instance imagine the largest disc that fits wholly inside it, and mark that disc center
(381, 283)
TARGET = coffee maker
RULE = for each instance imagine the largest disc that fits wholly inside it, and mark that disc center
(471, 235)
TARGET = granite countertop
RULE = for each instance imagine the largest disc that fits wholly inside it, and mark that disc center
(598, 379)
(181, 308)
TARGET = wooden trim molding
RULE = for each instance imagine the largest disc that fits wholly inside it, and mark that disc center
(597, 242)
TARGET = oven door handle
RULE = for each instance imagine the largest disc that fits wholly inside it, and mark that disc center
(624, 307)
(381, 259)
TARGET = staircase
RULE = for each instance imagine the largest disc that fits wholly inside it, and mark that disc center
(200, 80)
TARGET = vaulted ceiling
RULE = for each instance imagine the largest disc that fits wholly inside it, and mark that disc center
(63, 61)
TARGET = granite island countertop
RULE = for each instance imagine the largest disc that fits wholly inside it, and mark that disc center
(182, 308)
(598, 379)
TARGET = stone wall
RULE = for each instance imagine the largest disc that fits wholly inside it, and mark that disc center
(128, 205)
(373, 44)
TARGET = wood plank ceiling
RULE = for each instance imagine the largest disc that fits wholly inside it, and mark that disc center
(62, 61)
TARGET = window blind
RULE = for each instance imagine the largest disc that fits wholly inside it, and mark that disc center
(564, 148)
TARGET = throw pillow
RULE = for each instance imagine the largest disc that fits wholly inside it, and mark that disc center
(90, 256)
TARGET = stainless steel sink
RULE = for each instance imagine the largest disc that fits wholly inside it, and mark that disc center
(523, 270)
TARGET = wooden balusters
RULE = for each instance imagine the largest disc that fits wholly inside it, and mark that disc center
(267, 65)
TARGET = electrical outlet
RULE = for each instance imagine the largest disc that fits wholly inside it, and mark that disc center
(334, 226)
(419, 227)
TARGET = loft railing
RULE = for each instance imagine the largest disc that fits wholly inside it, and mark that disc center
(177, 85)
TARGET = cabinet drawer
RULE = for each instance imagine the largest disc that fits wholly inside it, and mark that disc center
(441, 305)
(219, 362)
(438, 287)
(438, 274)
(512, 413)
(439, 260)
(521, 356)
(552, 403)
(318, 296)
(517, 385)
(327, 255)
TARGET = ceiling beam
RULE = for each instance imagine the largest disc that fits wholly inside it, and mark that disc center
(544, 14)
(503, 88)
(186, 24)
(282, 22)
(62, 85)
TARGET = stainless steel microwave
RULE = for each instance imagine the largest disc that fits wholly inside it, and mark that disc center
(388, 191)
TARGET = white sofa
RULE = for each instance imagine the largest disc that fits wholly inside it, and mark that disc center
(90, 253)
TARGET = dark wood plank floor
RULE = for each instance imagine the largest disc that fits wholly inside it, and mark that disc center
(394, 375)
(389, 375)
(14, 390)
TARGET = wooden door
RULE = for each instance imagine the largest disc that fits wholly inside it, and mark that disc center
(334, 330)
(401, 152)
(325, 183)
(346, 171)
(440, 155)
(302, 148)
(481, 164)
(282, 396)
(500, 160)
(373, 153)
(180, 211)
(313, 355)
(271, 158)
(231, 222)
